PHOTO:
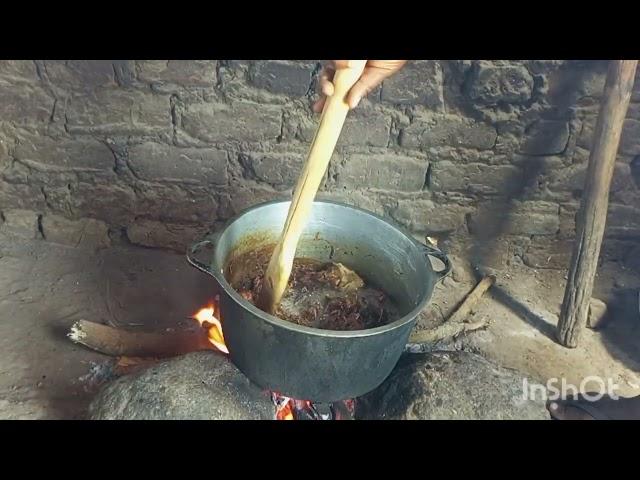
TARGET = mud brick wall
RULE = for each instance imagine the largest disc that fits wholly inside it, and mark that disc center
(487, 156)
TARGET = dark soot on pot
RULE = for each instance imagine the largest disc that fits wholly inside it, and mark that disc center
(328, 296)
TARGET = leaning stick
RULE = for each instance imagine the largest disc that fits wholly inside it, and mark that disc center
(457, 322)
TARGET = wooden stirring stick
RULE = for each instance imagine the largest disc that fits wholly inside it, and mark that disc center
(324, 142)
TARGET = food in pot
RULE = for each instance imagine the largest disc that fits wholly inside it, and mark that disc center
(328, 296)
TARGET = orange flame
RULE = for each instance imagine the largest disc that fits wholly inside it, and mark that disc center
(207, 319)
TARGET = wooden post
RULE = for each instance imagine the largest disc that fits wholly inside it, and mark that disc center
(595, 200)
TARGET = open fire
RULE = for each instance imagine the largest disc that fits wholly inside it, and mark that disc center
(286, 408)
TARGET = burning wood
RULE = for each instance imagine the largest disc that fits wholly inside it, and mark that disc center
(124, 343)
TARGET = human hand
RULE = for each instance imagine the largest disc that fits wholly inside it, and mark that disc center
(375, 72)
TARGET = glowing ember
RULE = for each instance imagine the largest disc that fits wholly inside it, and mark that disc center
(207, 319)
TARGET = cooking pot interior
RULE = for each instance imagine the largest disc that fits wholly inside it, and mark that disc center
(375, 249)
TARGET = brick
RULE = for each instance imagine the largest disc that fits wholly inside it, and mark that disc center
(369, 128)
(500, 84)
(389, 172)
(634, 111)
(425, 216)
(534, 218)
(241, 122)
(86, 232)
(418, 83)
(243, 197)
(62, 154)
(577, 83)
(187, 73)
(517, 218)
(546, 137)
(80, 74)
(109, 201)
(554, 254)
(365, 200)
(19, 222)
(476, 178)
(632, 259)
(630, 140)
(157, 162)
(585, 138)
(20, 196)
(623, 221)
(450, 130)
(572, 178)
(19, 70)
(150, 233)
(119, 112)
(25, 105)
(278, 169)
(176, 203)
(286, 77)
(568, 220)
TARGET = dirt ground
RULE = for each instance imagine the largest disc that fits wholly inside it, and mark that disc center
(45, 287)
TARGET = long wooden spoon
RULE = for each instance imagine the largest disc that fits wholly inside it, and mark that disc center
(324, 142)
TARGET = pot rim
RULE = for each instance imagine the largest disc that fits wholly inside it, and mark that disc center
(275, 321)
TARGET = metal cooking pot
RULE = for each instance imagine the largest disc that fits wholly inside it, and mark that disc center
(308, 363)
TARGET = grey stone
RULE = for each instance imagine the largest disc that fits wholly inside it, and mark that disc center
(516, 218)
(24, 70)
(623, 221)
(452, 385)
(555, 254)
(389, 172)
(176, 203)
(287, 77)
(64, 154)
(568, 220)
(241, 122)
(80, 74)
(196, 386)
(365, 200)
(450, 130)
(634, 111)
(365, 129)
(585, 138)
(110, 201)
(240, 198)
(279, 169)
(546, 137)
(85, 232)
(188, 73)
(419, 82)
(20, 222)
(476, 178)
(632, 259)
(152, 233)
(25, 104)
(572, 178)
(597, 313)
(630, 140)
(425, 216)
(496, 84)
(119, 112)
(153, 161)
(534, 218)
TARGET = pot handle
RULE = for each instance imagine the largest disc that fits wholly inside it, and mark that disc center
(440, 255)
(193, 250)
